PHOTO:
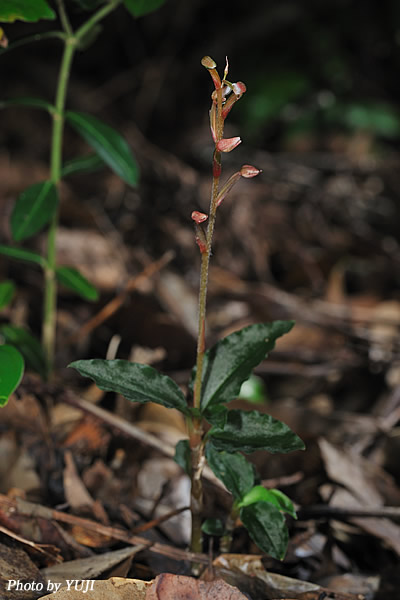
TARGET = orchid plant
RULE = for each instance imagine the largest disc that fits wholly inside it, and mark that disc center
(216, 434)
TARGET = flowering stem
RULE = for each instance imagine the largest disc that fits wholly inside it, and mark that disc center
(197, 428)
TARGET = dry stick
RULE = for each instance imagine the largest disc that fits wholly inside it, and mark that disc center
(29, 509)
(156, 522)
(46, 549)
(319, 511)
(115, 304)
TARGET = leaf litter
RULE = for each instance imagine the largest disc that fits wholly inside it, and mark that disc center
(334, 379)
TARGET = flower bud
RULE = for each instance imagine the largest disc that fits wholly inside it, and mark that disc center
(239, 88)
(248, 171)
(228, 144)
(199, 217)
(208, 62)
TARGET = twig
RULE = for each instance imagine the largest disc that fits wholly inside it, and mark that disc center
(29, 509)
(156, 522)
(115, 304)
(47, 549)
(320, 511)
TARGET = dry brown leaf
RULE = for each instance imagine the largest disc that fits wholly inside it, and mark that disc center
(76, 493)
(248, 572)
(88, 436)
(115, 588)
(16, 565)
(347, 468)
(178, 587)
(381, 528)
(93, 254)
(88, 568)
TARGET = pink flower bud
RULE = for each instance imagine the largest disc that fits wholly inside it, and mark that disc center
(248, 171)
(199, 217)
(239, 88)
(228, 144)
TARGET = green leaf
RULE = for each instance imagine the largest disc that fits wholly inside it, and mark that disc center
(235, 472)
(267, 528)
(33, 210)
(183, 456)
(260, 494)
(229, 363)
(28, 346)
(76, 282)
(25, 10)
(134, 381)
(213, 527)
(108, 144)
(21, 254)
(138, 8)
(7, 290)
(247, 431)
(82, 164)
(253, 390)
(11, 371)
(216, 415)
(29, 102)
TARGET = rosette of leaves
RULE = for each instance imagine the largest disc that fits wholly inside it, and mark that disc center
(232, 432)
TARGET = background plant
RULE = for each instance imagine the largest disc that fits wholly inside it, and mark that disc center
(37, 207)
(215, 433)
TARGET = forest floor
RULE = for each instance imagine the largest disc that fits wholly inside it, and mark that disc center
(86, 478)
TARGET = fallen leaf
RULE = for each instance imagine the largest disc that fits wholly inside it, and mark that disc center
(179, 587)
(115, 588)
(348, 469)
(15, 565)
(88, 568)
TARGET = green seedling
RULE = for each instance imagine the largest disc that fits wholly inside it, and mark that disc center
(37, 207)
(216, 434)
